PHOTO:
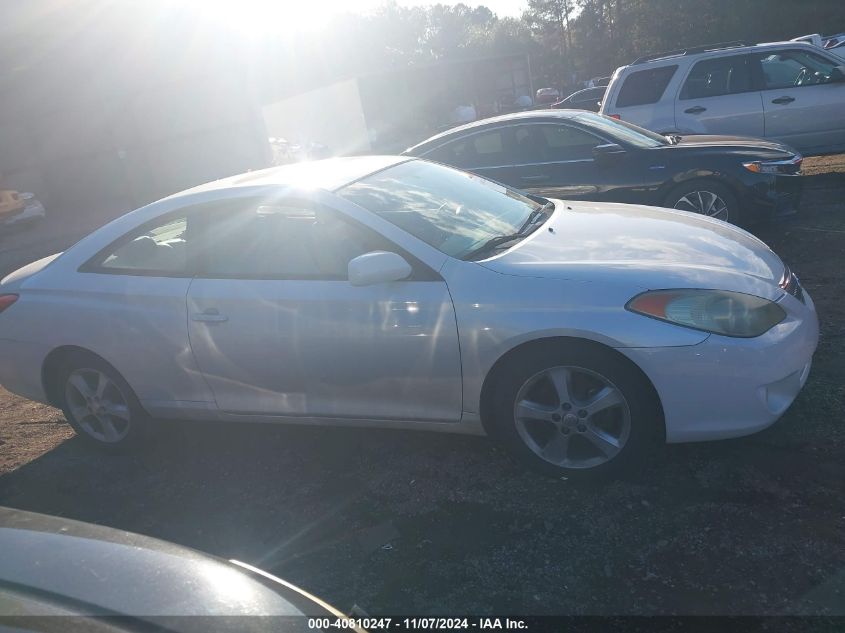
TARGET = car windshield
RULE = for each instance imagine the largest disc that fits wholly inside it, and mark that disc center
(451, 210)
(621, 131)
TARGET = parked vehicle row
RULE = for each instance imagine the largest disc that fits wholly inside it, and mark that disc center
(792, 92)
(585, 156)
(398, 292)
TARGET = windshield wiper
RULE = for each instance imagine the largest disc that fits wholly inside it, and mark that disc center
(497, 240)
(536, 213)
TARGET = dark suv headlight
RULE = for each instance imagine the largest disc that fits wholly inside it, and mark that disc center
(785, 167)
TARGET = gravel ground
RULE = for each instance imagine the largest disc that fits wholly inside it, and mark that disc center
(405, 522)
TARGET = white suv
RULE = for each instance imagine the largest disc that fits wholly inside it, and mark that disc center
(793, 92)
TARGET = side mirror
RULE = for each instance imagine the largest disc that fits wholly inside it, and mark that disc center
(608, 153)
(837, 74)
(376, 268)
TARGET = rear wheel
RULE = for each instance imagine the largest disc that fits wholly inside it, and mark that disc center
(574, 410)
(706, 197)
(99, 404)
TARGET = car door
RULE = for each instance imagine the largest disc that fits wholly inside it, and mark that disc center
(718, 96)
(801, 105)
(555, 160)
(277, 329)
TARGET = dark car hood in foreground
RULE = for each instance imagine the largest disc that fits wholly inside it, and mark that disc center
(745, 144)
(643, 248)
(78, 568)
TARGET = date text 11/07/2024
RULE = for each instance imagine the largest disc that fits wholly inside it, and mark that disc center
(410, 624)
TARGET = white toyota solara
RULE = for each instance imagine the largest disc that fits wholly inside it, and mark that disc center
(385, 291)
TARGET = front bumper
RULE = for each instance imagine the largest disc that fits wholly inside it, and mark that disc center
(728, 387)
(775, 196)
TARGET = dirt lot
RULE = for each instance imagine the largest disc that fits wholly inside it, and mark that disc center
(403, 522)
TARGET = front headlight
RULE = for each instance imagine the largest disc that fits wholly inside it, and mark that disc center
(717, 311)
(785, 167)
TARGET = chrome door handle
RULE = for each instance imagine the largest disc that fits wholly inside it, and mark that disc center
(695, 110)
(782, 100)
(209, 316)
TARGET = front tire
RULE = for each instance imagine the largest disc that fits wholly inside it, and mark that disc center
(575, 410)
(705, 197)
(100, 405)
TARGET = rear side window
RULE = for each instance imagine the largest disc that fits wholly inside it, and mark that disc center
(718, 76)
(161, 249)
(485, 149)
(645, 86)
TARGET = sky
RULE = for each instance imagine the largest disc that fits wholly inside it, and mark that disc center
(270, 16)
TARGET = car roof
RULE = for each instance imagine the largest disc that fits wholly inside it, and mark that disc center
(504, 118)
(715, 51)
(329, 174)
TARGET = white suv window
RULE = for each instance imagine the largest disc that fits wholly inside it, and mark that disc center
(645, 86)
(788, 69)
(716, 77)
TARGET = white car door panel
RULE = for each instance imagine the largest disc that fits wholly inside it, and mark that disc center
(277, 328)
(327, 349)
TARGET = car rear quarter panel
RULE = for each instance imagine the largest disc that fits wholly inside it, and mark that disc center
(137, 324)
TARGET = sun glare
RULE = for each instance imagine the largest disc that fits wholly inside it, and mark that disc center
(263, 17)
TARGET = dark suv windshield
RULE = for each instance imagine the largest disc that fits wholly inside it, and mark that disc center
(453, 211)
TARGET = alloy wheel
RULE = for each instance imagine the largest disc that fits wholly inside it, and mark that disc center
(704, 202)
(97, 404)
(572, 417)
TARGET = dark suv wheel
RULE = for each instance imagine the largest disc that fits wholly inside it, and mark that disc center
(706, 197)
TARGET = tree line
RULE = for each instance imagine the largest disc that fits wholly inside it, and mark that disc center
(568, 40)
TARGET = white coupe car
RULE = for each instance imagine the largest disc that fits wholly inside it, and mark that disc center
(397, 292)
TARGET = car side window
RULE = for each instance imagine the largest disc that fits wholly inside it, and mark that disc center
(162, 249)
(282, 240)
(565, 142)
(644, 86)
(793, 68)
(716, 77)
(484, 149)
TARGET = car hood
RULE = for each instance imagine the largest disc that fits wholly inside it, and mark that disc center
(90, 569)
(742, 143)
(644, 248)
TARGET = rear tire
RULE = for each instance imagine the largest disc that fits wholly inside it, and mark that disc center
(706, 197)
(574, 410)
(100, 405)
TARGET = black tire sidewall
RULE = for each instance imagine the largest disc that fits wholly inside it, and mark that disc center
(646, 418)
(139, 422)
(735, 215)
